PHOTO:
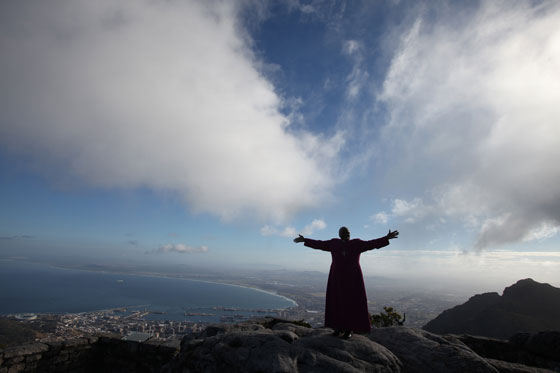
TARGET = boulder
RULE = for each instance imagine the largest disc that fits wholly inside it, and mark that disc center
(422, 351)
(284, 348)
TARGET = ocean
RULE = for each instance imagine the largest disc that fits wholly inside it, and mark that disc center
(39, 288)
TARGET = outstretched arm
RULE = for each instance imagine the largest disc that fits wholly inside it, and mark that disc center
(314, 244)
(377, 243)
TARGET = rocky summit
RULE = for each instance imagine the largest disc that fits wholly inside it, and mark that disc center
(287, 347)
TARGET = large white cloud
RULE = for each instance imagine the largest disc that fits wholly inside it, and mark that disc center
(475, 121)
(159, 94)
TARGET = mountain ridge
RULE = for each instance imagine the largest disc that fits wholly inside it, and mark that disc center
(526, 306)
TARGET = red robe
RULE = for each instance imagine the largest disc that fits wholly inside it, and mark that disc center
(346, 306)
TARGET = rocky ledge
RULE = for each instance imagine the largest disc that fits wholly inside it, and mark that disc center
(280, 346)
(272, 345)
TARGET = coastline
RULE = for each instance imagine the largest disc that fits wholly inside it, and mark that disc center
(157, 275)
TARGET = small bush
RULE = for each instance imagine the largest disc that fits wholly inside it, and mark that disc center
(388, 318)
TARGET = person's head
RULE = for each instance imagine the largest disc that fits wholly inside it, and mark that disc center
(344, 233)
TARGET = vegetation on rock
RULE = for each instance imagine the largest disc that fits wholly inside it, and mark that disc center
(388, 318)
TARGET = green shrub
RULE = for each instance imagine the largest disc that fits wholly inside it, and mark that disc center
(388, 318)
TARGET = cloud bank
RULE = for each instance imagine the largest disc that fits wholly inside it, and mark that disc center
(166, 95)
(474, 119)
(17, 237)
(178, 248)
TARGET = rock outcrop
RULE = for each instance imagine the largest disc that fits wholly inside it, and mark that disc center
(285, 347)
(527, 306)
(536, 350)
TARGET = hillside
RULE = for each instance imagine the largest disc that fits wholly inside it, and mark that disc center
(13, 333)
(526, 306)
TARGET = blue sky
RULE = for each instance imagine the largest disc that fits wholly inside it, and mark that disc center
(211, 133)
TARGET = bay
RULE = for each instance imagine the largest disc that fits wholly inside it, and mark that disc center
(38, 288)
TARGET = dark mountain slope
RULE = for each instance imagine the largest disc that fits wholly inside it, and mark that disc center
(526, 306)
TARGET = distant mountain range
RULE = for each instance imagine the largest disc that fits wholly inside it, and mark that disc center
(526, 306)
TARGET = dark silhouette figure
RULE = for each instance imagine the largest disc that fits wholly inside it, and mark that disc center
(346, 304)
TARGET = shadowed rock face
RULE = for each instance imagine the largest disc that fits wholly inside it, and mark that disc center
(421, 351)
(285, 347)
(535, 350)
(526, 306)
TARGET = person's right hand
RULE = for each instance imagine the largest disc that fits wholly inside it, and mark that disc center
(299, 239)
(393, 234)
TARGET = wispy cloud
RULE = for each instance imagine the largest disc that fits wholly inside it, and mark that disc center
(178, 248)
(289, 231)
(542, 232)
(358, 77)
(380, 218)
(316, 225)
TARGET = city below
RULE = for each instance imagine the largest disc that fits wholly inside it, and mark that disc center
(307, 289)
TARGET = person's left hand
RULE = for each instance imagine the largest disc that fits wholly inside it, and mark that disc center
(299, 239)
(393, 234)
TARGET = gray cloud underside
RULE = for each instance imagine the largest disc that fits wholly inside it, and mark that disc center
(475, 120)
(159, 94)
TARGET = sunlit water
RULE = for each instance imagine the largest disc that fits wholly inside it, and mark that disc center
(38, 288)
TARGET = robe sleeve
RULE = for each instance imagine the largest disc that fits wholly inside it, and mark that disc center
(317, 244)
(370, 245)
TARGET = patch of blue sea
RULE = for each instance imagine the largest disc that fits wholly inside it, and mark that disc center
(38, 288)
